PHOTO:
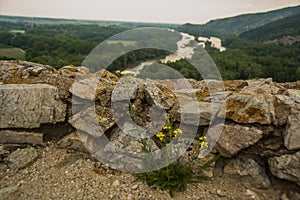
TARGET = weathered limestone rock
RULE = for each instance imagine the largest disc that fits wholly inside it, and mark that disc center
(250, 168)
(187, 95)
(106, 75)
(295, 94)
(85, 88)
(235, 85)
(95, 120)
(148, 100)
(208, 171)
(155, 96)
(234, 138)
(30, 105)
(126, 89)
(197, 113)
(94, 144)
(268, 147)
(3, 152)
(98, 86)
(73, 141)
(250, 108)
(256, 103)
(74, 72)
(292, 134)
(229, 85)
(111, 152)
(282, 108)
(7, 70)
(262, 86)
(23, 72)
(124, 141)
(20, 137)
(20, 71)
(21, 158)
(291, 85)
(286, 167)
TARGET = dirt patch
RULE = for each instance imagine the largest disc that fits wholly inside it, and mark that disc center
(61, 174)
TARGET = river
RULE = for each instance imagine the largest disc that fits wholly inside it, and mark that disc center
(184, 50)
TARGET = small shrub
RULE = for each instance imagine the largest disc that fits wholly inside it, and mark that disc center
(173, 178)
(177, 175)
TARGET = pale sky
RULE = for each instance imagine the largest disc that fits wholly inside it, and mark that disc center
(169, 11)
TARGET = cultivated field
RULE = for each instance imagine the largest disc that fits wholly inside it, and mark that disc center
(12, 52)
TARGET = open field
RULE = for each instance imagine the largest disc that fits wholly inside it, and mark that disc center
(17, 31)
(13, 53)
(124, 42)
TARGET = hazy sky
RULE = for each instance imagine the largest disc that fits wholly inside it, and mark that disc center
(174, 11)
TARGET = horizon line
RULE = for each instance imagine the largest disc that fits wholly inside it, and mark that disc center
(143, 22)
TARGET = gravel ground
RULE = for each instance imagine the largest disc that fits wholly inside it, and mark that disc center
(61, 174)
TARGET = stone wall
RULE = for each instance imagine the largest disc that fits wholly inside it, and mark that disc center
(259, 139)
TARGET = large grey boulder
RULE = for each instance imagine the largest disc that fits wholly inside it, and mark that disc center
(97, 86)
(23, 72)
(30, 105)
(292, 134)
(235, 137)
(248, 167)
(250, 108)
(286, 167)
(256, 103)
(94, 120)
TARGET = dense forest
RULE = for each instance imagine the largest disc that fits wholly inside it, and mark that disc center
(57, 45)
(68, 44)
(245, 59)
(249, 53)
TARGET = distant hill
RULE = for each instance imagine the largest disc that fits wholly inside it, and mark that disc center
(287, 30)
(17, 20)
(239, 24)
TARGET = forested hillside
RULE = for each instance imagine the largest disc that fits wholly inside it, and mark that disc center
(238, 24)
(289, 26)
(270, 50)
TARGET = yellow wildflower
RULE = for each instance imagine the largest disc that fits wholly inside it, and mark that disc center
(177, 131)
(166, 127)
(204, 144)
(202, 138)
(160, 136)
